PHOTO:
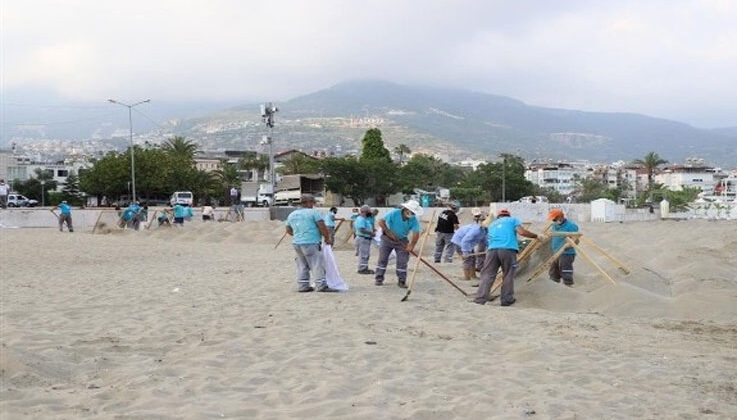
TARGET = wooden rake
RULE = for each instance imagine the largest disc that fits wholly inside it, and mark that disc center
(417, 263)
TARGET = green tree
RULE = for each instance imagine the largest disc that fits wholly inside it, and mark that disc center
(428, 172)
(510, 173)
(299, 164)
(402, 150)
(70, 190)
(651, 161)
(346, 176)
(373, 146)
(590, 188)
(257, 162)
(31, 187)
(226, 177)
(179, 147)
(468, 196)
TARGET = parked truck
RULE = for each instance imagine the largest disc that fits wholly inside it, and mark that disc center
(254, 194)
(291, 187)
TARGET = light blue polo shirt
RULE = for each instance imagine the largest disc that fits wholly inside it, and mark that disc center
(178, 210)
(503, 233)
(468, 236)
(66, 209)
(400, 227)
(363, 223)
(557, 241)
(304, 226)
(330, 219)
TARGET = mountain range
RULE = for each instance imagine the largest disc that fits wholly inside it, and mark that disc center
(455, 124)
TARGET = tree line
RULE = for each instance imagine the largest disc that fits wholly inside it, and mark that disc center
(372, 174)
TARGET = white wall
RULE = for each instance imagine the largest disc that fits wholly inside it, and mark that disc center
(41, 218)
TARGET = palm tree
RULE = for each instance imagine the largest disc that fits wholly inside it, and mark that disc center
(257, 162)
(651, 162)
(179, 147)
(402, 150)
(299, 164)
(227, 177)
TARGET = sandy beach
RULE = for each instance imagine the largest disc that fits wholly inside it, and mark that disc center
(204, 323)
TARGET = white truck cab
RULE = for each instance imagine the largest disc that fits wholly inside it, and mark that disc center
(182, 197)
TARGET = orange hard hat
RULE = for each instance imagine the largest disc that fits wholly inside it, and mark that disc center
(554, 214)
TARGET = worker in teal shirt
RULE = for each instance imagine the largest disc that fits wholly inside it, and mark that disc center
(307, 228)
(330, 221)
(364, 230)
(502, 252)
(65, 216)
(179, 214)
(396, 227)
(562, 267)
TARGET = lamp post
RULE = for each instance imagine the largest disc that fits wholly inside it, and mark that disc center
(268, 110)
(504, 178)
(130, 124)
(43, 199)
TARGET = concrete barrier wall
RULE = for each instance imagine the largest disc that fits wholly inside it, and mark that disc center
(709, 211)
(86, 218)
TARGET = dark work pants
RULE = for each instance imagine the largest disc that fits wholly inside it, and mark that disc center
(562, 268)
(385, 249)
(495, 258)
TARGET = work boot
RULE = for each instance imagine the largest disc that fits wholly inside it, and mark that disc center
(402, 284)
(365, 271)
(325, 288)
(305, 288)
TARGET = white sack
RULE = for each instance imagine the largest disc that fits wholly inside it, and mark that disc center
(332, 275)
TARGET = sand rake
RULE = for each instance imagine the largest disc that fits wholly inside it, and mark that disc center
(417, 263)
(570, 243)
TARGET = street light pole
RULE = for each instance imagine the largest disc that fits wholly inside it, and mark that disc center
(130, 125)
(43, 199)
(504, 178)
(268, 110)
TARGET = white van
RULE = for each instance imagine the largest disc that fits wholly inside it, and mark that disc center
(182, 197)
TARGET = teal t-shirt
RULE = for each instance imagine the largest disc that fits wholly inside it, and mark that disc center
(363, 223)
(330, 219)
(557, 241)
(304, 226)
(400, 227)
(66, 209)
(503, 233)
(178, 210)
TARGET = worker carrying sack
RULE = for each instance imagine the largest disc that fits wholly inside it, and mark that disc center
(332, 275)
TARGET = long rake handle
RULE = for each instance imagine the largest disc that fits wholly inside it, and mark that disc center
(417, 263)
(440, 274)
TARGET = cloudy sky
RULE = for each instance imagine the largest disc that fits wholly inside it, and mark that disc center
(671, 58)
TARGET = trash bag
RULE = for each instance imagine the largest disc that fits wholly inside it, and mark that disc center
(332, 275)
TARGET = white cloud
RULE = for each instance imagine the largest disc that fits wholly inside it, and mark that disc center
(667, 58)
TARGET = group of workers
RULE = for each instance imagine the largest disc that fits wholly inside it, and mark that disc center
(486, 244)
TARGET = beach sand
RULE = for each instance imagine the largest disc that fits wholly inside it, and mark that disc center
(204, 323)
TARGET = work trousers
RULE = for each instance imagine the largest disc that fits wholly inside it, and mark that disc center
(364, 252)
(481, 247)
(385, 249)
(495, 258)
(4, 201)
(443, 243)
(310, 262)
(65, 218)
(469, 263)
(562, 268)
(331, 229)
